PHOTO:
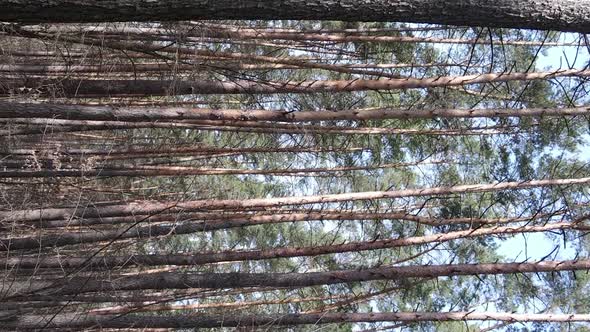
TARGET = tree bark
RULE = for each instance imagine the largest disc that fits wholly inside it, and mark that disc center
(190, 150)
(186, 280)
(159, 306)
(565, 15)
(240, 33)
(116, 88)
(109, 262)
(145, 171)
(214, 221)
(52, 126)
(153, 207)
(79, 321)
(110, 113)
(48, 69)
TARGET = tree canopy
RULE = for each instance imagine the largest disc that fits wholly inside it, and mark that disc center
(287, 174)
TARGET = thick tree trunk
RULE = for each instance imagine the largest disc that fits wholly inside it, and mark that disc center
(153, 207)
(110, 113)
(117, 88)
(186, 280)
(565, 15)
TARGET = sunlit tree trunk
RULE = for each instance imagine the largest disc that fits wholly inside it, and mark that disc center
(105, 88)
(185, 280)
(164, 207)
(110, 113)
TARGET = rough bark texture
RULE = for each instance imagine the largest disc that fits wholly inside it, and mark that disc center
(160, 67)
(244, 33)
(214, 221)
(565, 15)
(191, 150)
(141, 87)
(211, 321)
(153, 207)
(185, 280)
(40, 126)
(110, 261)
(110, 113)
(131, 170)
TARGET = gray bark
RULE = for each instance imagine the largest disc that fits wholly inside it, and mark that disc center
(109, 262)
(131, 170)
(141, 87)
(152, 207)
(186, 280)
(211, 321)
(110, 113)
(565, 15)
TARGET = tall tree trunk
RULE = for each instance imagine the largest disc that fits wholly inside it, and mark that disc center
(52, 126)
(109, 262)
(130, 170)
(49, 69)
(158, 306)
(110, 113)
(565, 15)
(79, 321)
(140, 87)
(214, 221)
(190, 150)
(150, 207)
(186, 280)
(225, 35)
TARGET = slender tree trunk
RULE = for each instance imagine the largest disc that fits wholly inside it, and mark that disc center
(186, 280)
(156, 306)
(52, 126)
(113, 88)
(109, 262)
(153, 49)
(118, 171)
(109, 113)
(48, 69)
(105, 69)
(149, 207)
(185, 28)
(78, 321)
(139, 152)
(565, 15)
(238, 33)
(219, 220)
(216, 221)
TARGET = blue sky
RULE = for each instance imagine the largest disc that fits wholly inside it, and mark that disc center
(535, 246)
